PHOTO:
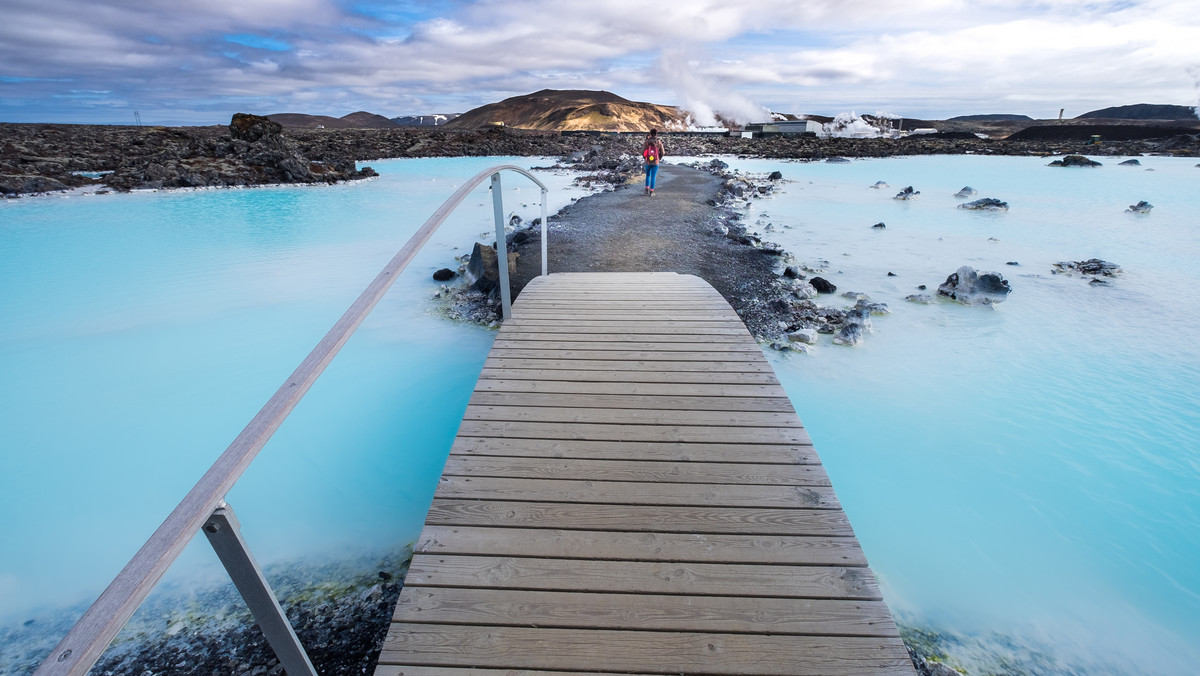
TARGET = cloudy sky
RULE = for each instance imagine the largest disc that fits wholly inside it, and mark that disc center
(185, 62)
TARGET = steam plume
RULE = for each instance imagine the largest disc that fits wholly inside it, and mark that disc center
(705, 98)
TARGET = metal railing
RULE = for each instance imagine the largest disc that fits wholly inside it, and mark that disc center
(204, 507)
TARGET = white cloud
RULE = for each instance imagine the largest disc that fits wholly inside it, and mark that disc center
(949, 56)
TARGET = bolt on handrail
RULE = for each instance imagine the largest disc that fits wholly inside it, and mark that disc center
(90, 636)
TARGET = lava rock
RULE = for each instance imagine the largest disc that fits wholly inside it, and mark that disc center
(920, 298)
(443, 275)
(1130, 163)
(484, 271)
(985, 204)
(837, 160)
(878, 185)
(1092, 266)
(1012, 263)
(793, 272)
(1142, 207)
(775, 176)
(1075, 161)
(879, 226)
(849, 334)
(807, 336)
(972, 288)
(907, 194)
(966, 192)
(822, 285)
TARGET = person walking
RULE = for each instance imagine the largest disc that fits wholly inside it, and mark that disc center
(652, 150)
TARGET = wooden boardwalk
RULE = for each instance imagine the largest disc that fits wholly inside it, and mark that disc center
(631, 492)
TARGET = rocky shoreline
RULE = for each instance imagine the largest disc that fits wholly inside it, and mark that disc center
(340, 611)
(38, 158)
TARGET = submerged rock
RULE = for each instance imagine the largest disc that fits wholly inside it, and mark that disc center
(879, 226)
(1130, 163)
(880, 184)
(822, 285)
(838, 160)
(1074, 161)
(972, 288)
(807, 336)
(907, 194)
(1142, 207)
(1092, 266)
(445, 274)
(920, 298)
(966, 192)
(985, 204)
(849, 334)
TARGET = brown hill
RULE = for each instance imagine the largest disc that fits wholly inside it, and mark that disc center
(359, 120)
(572, 110)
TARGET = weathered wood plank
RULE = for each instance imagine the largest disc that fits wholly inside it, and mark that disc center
(665, 451)
(644, 577)
(664, 402)
(632, 416)
(658, 612)
(635, 493)
(515, 370)
(526, 334)
(632, 546)
(630, 344)
(626, 327)
(618, 367)
(652, 651)
(615, 432)
(649, 471)
(409, 670)
(628, 355)
(656, 518)
(712, 391)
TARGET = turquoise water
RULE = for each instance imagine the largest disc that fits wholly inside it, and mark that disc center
(1032, 469)
(1025, 475)
(140, 332)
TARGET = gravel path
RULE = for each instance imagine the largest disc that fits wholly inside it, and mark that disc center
(676, 230)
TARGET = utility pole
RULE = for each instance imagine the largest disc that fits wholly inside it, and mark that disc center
(137, 118)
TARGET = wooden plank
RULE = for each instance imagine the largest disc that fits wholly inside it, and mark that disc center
(632, 416)
(625, 327)
(617, 391)
(514, 370)
(616, 365)
(633, 546)
(630, 344)
(616, 432)
(635, 493)
(526, 334)
(657, 612)
(664, 402)
(665, 451)
(636, 471)
(695, 653)
(627, 355)
(644, 577)
(656, 518)
(410, 670)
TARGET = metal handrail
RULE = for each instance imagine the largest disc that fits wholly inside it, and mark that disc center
(93, 633)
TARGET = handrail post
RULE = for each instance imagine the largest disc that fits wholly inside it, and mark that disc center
(224, 534)
(501, 247)
(545, 262)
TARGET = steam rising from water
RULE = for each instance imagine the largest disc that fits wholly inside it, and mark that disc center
(705, 98)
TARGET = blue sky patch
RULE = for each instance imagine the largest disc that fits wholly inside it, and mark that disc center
(258, 42)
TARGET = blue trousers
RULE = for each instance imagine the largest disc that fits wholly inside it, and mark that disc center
(651, 174)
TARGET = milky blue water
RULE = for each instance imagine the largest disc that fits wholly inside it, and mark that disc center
(1034, 468)
(140, 332)
(1025, 475)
